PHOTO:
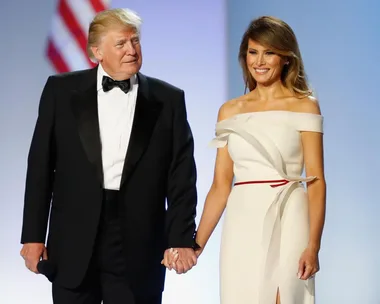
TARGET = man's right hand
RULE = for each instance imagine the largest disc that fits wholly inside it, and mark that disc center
(32, 253)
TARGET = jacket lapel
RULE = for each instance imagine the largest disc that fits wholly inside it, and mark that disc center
(85, 108)
(146, 114)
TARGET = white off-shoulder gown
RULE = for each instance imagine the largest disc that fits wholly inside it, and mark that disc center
(266, 226)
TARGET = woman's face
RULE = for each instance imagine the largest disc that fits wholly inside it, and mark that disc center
(264, 65)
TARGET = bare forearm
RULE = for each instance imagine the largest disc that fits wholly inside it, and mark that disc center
(317, 211)
(213, 209)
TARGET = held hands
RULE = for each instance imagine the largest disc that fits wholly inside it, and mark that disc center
(179, 259)
(32, 254)
(308, 264)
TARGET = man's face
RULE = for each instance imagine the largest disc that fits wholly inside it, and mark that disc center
(119, 52)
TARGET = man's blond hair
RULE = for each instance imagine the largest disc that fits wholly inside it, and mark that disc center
(107, 19)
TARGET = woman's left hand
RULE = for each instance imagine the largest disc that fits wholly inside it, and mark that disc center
(308, 264)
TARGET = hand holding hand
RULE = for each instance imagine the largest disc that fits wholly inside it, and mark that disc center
(180, 259)
(170, 257)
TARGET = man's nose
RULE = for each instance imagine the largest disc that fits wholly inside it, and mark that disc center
(130, 48)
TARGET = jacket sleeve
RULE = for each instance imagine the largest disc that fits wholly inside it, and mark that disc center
(40, 171)
(182, 193)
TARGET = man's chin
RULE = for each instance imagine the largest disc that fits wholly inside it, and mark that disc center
(132, 69)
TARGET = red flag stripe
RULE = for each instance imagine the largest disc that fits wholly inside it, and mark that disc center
(56, 58)
(74, 27)
(73, 31)
(97, 5)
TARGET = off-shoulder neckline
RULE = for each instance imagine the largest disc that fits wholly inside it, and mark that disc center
(270, 111)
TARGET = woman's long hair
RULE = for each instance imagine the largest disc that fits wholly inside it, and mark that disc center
(280, 38)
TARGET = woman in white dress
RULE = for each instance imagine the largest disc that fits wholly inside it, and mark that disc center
(272, 227)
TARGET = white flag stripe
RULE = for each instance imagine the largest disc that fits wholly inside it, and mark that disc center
(106, 3)
(66, 26)
(83, 12)
(71, 53)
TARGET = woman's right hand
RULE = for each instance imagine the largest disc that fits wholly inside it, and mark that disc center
(170, 257)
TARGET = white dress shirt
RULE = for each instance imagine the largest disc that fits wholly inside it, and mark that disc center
(116, 111)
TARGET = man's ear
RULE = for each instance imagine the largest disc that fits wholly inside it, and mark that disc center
(97, 52)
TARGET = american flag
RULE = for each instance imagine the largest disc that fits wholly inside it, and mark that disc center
(66, 45)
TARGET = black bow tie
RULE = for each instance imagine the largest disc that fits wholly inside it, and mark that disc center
(108, 84)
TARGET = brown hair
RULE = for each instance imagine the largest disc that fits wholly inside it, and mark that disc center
(280, 38)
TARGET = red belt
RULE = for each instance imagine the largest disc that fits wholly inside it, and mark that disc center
(274, 183)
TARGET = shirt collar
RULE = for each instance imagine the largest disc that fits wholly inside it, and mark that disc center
(102, 72)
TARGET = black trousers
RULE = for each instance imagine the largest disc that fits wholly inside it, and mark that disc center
(106, 279)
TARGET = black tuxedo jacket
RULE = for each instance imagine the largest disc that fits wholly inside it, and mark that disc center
(65, 177)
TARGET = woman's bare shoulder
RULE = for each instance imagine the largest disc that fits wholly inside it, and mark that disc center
(231, 108)
(307, 104)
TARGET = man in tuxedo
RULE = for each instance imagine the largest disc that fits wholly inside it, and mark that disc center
(110, 147)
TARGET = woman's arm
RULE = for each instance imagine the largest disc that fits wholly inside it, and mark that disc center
(313, 155)
(217, 196)
(312, 143)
